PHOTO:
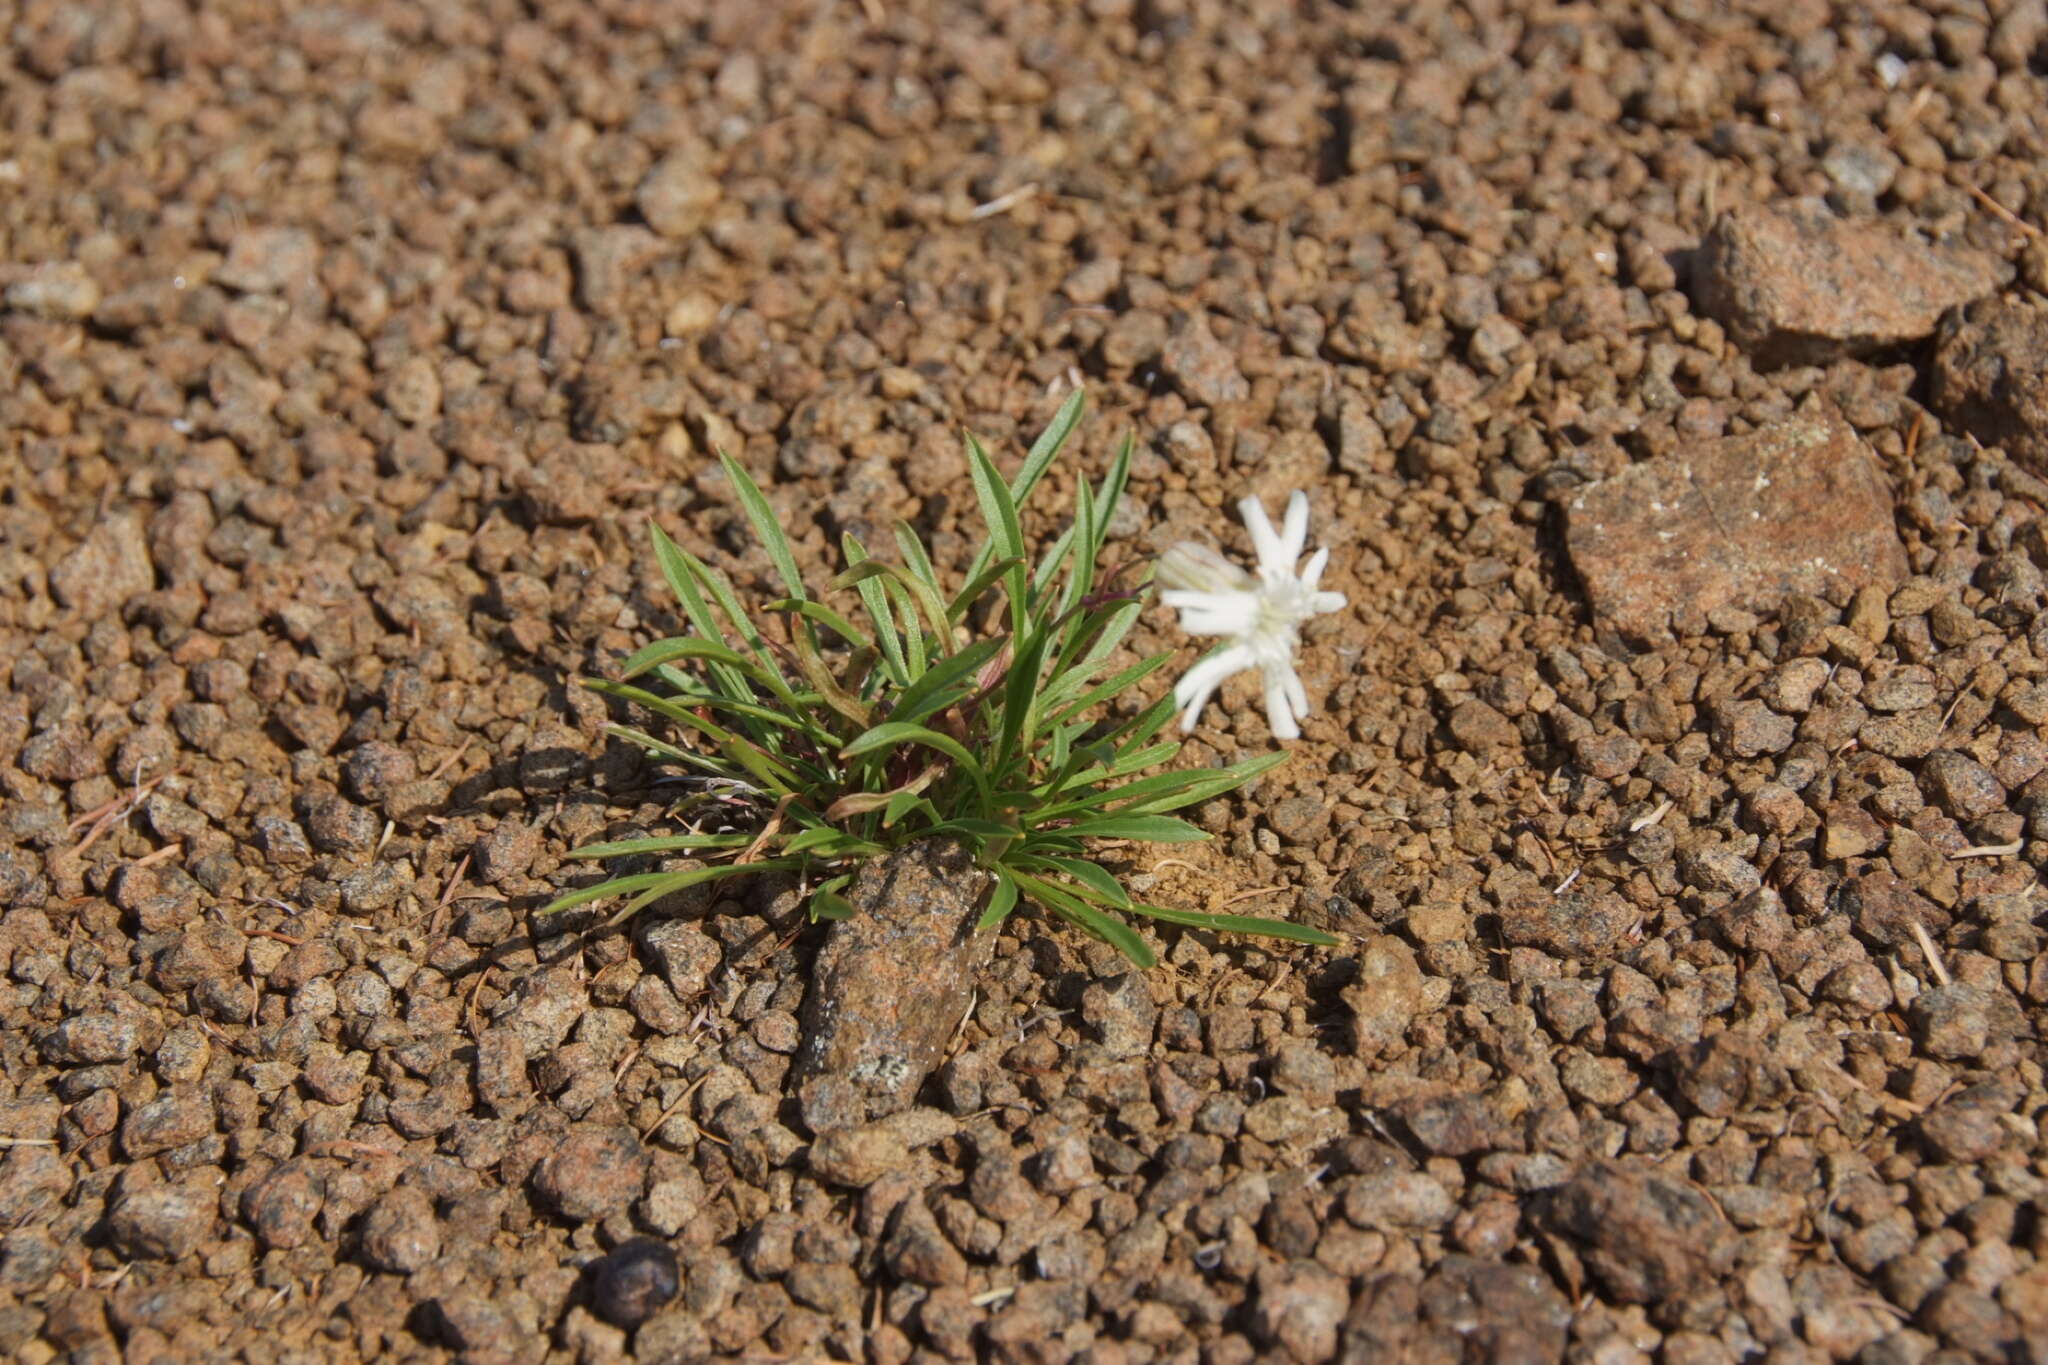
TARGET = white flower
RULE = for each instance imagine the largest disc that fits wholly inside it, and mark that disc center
(1259, 616)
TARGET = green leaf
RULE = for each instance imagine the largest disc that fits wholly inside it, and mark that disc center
(1238, 924)
(930, 693)
(662, 652)
(1020, 700)
(1140, 728)
(681, 708)
(1050, 562)
(651, 656)
(915, 655)
(829, 905)
(673, 752)
(1092, 879)
(874, 595)
(823, 841)
(655, 893)
(1209, 783)
(1100, 631)
(914, 557)
(982, 582)
(857, 573)
(767, 526)
(1048, 446)
(889, 734)
(999, 510)
(660, 843)
(1103, 691)
(1036, 461)
(765, 768)
(681, 572)
(924, 594)
(900, 805)
(826, 617)
(1001, 900)
(1129, 761)
(660, 883)
(1111, 493)
(980, 828)
(1151, 829)
(742, 624)
(1162, 792)
(1085, 916)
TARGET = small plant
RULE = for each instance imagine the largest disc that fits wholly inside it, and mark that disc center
(976, 716)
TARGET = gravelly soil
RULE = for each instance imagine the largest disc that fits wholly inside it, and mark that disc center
(1692, 978)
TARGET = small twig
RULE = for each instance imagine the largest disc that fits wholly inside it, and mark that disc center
(1246, 895)
(973, 998)
(1989, 850)
(350, 1147)
(104, 818)
(475, 990)
(452, 759)
(152, 859)
(27, 1142)
(1002, 203)
(1927, 951)
(1643, 822)
(390, 828)
(280, 937)
(989, 1296)
(669, 1112)
(1913, 112)
(447, 895)
(2001, 210)
(768, 830)
(1566, 884)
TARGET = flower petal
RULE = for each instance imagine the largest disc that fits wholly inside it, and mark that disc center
(1294, 531)
(1279, 718)
(1189, 567)
(1264, 541)
(1199, 683)
(1233, 613)
(1312, 572)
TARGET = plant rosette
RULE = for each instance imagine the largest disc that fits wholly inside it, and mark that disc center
(988, 715)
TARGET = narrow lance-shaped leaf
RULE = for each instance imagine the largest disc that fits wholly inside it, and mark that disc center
(892, 733)
(663, 883)
(681, 576)
(767, 526)
(1037, 460)
(875, 597)
(1078, 912)
(1238, 924)
(1151, 829)
(1002, 900)
(999, 510)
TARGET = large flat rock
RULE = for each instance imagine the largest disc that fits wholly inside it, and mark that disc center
(1794, 285)
(1743, 521)
(891, 985)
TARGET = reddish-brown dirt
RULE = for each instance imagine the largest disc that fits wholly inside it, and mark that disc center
(1691, 978)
